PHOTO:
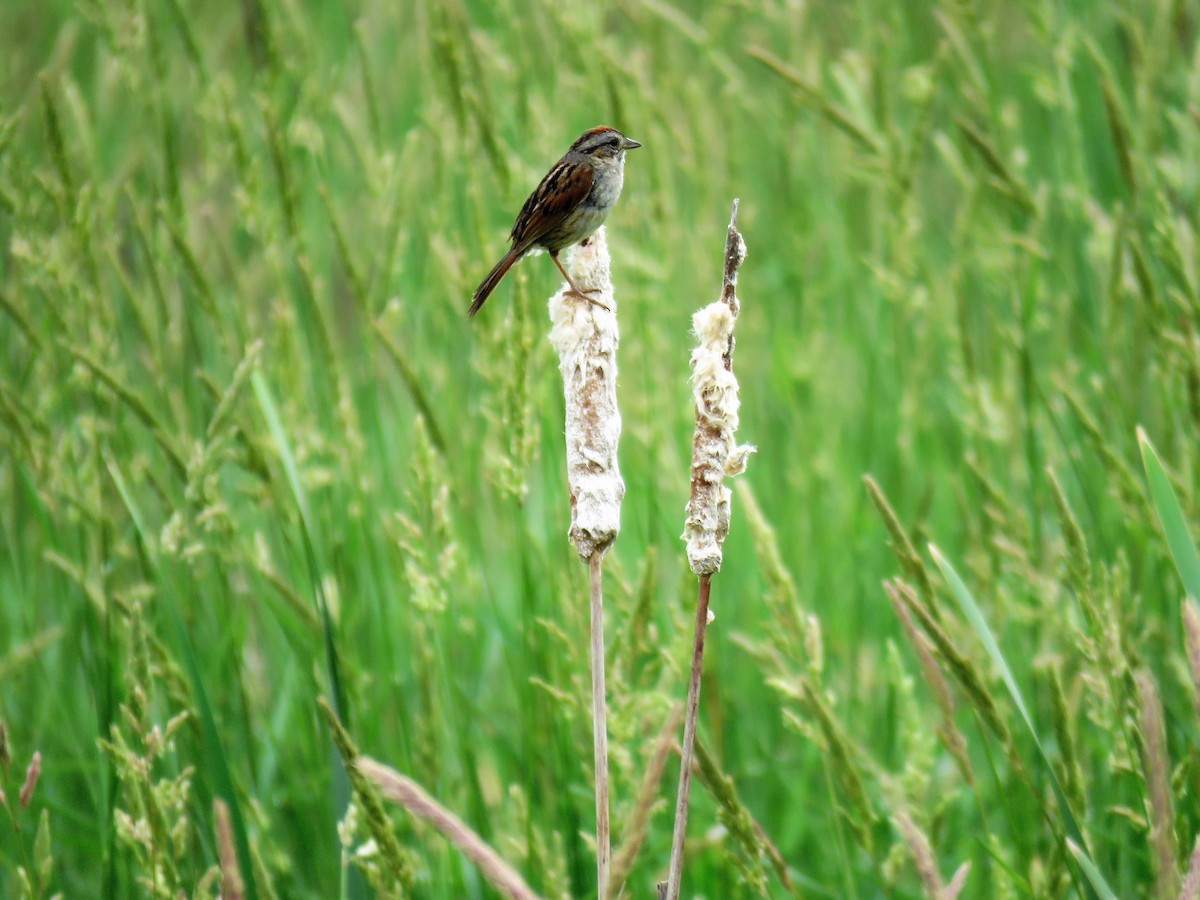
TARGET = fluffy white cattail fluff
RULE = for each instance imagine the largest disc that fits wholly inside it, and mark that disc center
(585, 335)
(715, 453)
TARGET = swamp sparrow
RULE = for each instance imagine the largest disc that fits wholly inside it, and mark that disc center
(572, 201)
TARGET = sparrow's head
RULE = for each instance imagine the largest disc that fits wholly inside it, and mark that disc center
(604, 142)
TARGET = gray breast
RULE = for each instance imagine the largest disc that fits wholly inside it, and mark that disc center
(591, 213)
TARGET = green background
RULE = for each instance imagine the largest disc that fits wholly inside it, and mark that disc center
(253, 449)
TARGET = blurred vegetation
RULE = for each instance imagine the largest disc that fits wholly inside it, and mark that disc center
(253, 453)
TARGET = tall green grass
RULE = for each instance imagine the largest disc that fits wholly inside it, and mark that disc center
(253, 453)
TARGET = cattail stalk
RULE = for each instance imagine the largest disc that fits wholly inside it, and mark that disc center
(584, 332)
(675, 873)
(715, 454)
(599, 727)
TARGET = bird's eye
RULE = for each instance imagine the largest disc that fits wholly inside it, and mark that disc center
(614, 142)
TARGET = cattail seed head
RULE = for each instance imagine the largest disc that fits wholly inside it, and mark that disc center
(715, 452)
(585, 334)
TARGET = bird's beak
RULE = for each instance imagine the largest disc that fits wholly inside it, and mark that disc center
(630, 143)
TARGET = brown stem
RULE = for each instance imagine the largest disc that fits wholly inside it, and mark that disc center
(232, 886)
(599, 725)
(403, 790)
(675, 876)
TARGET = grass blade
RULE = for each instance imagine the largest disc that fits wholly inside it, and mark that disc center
(1170, 514)
(1089, 869)
(975, 616)
(288, 459)
(333, 667)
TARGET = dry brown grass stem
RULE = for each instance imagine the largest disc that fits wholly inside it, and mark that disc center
(232, 886)
(32, 774)
(1158, 786)
(1191, 639)
(1191, 884)
(403, 790)
(947, 730)
(922, 854)
(960, 666)
(926, 862)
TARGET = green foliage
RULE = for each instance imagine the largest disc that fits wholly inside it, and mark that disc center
(253, 453)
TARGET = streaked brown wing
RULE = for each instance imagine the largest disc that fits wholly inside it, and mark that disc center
(564, 188)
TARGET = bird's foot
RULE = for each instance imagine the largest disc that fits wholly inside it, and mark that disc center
(583, 295)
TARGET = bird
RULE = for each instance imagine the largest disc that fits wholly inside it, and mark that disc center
(569, 204)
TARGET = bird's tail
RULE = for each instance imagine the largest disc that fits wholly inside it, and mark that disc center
(493, 278)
